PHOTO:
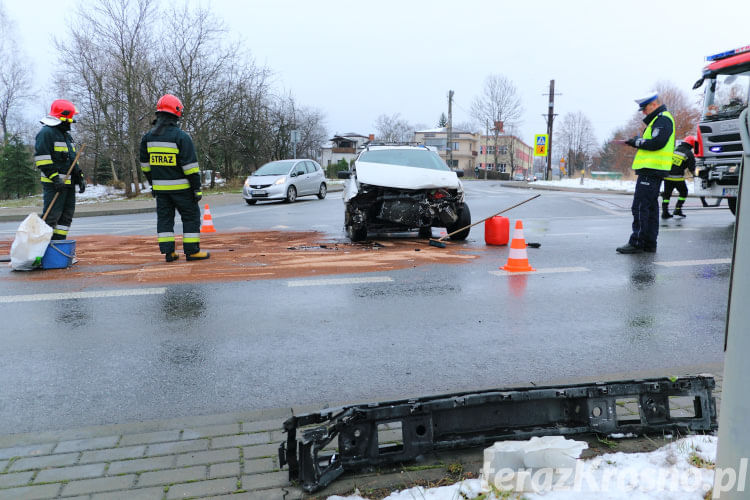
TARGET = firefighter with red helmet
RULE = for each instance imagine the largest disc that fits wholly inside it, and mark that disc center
(169, 162)
(683, 159)
(54, 152)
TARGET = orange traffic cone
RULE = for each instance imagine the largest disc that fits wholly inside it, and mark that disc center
(518, 260)
(208, 224)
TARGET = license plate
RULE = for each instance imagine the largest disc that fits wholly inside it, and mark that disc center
(258, 192)
(729, 191)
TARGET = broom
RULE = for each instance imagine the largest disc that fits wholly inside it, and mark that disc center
(440, 242)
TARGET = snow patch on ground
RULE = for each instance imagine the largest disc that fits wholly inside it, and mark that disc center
(668, 473)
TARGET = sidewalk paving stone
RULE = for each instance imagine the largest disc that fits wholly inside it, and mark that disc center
(202, 488)
(70, 473)
(262, 465)
(132, 494)
(224, 470)
(240, 440)
(111, 454)
(86, 444)
(15, 479)
(150, 437)
(211, 431)
(207, 457)
(44, 462)
(98, 485)
(260, 451)
(39, 492)
(141, 464)
(177, 447)
(264, 481)
(27, 451)
(169, 476)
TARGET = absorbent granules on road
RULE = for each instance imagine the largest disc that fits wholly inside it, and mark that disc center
(238, 256)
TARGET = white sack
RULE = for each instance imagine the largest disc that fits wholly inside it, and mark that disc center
(32, 238)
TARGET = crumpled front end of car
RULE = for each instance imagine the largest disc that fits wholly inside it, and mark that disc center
(398, 209)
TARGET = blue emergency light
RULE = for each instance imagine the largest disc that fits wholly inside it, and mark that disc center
(734, 52)
(715, 149)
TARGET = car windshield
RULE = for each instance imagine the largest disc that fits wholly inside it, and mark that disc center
(420, 158)
(275, 168)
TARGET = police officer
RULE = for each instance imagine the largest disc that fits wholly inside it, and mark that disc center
(682, 159)
(168, 160)
(652, 162)
(54, 152)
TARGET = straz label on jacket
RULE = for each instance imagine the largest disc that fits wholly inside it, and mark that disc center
(163, 159)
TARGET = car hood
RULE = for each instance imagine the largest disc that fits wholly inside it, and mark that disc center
(264, 179)
(400, 177)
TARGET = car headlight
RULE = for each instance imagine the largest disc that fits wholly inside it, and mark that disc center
(247, 182)
(280, 180)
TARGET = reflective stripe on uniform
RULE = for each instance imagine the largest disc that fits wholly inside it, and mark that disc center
(63, 228)
(43, 160)
(162, 147)
(61, 146)
(165, 237)
(61, 232)
(145, 166)
(170, 184)
(66, 178)
(190, 168)
(191, 238)
(676, 179)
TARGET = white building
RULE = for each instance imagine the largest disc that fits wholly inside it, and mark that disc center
(342, 147)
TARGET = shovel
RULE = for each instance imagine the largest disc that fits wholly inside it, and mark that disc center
(440, 242)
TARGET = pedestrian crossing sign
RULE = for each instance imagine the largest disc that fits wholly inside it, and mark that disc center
(540, 144)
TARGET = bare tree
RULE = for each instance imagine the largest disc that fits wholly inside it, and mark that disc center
(15, 76)
(110, 48)
(576, 136)
(393, 129)
(498, 106)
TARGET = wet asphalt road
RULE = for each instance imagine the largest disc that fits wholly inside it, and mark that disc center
(198, 349)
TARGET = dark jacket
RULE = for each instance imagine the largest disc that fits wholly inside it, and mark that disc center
(170, 166)
(54, 152)
(682, 159)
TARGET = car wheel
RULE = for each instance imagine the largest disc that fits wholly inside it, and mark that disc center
(425, 232)
(732, 202)
(464, 219)
(291, 194)
(251, 202)
(356, 234)
(322, 191)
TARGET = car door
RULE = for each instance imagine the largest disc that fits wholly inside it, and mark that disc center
(299, 179)
(312, 177)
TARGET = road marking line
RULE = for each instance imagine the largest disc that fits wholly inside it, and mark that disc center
(678, 263)
(340, 281)
(9, 299)
(546, 271)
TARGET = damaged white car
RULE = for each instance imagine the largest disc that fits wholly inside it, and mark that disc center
(403, 188)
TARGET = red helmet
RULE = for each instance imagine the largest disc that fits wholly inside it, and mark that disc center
(691, 139)
(63, 110)
(169, 104)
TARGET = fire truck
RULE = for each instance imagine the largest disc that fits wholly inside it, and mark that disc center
(719, 147)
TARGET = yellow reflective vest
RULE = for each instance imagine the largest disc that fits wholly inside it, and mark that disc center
(661, 159)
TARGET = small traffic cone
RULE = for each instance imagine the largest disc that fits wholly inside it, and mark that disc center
(518, 260)
(208, 224)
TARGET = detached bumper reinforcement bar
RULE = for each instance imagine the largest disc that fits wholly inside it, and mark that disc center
(398, 431)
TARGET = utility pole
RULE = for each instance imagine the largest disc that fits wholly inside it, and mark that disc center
(449, 143)
(550, 118)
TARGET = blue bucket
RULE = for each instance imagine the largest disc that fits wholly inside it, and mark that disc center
(59, 254)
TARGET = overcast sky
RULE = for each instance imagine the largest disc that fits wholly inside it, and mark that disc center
(355, 60)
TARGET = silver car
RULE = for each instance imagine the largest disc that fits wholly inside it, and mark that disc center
(285, 180)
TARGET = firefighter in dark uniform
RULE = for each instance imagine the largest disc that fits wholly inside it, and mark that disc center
(169, 162)
(682, 159)
(54, 152)
(652, 162)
